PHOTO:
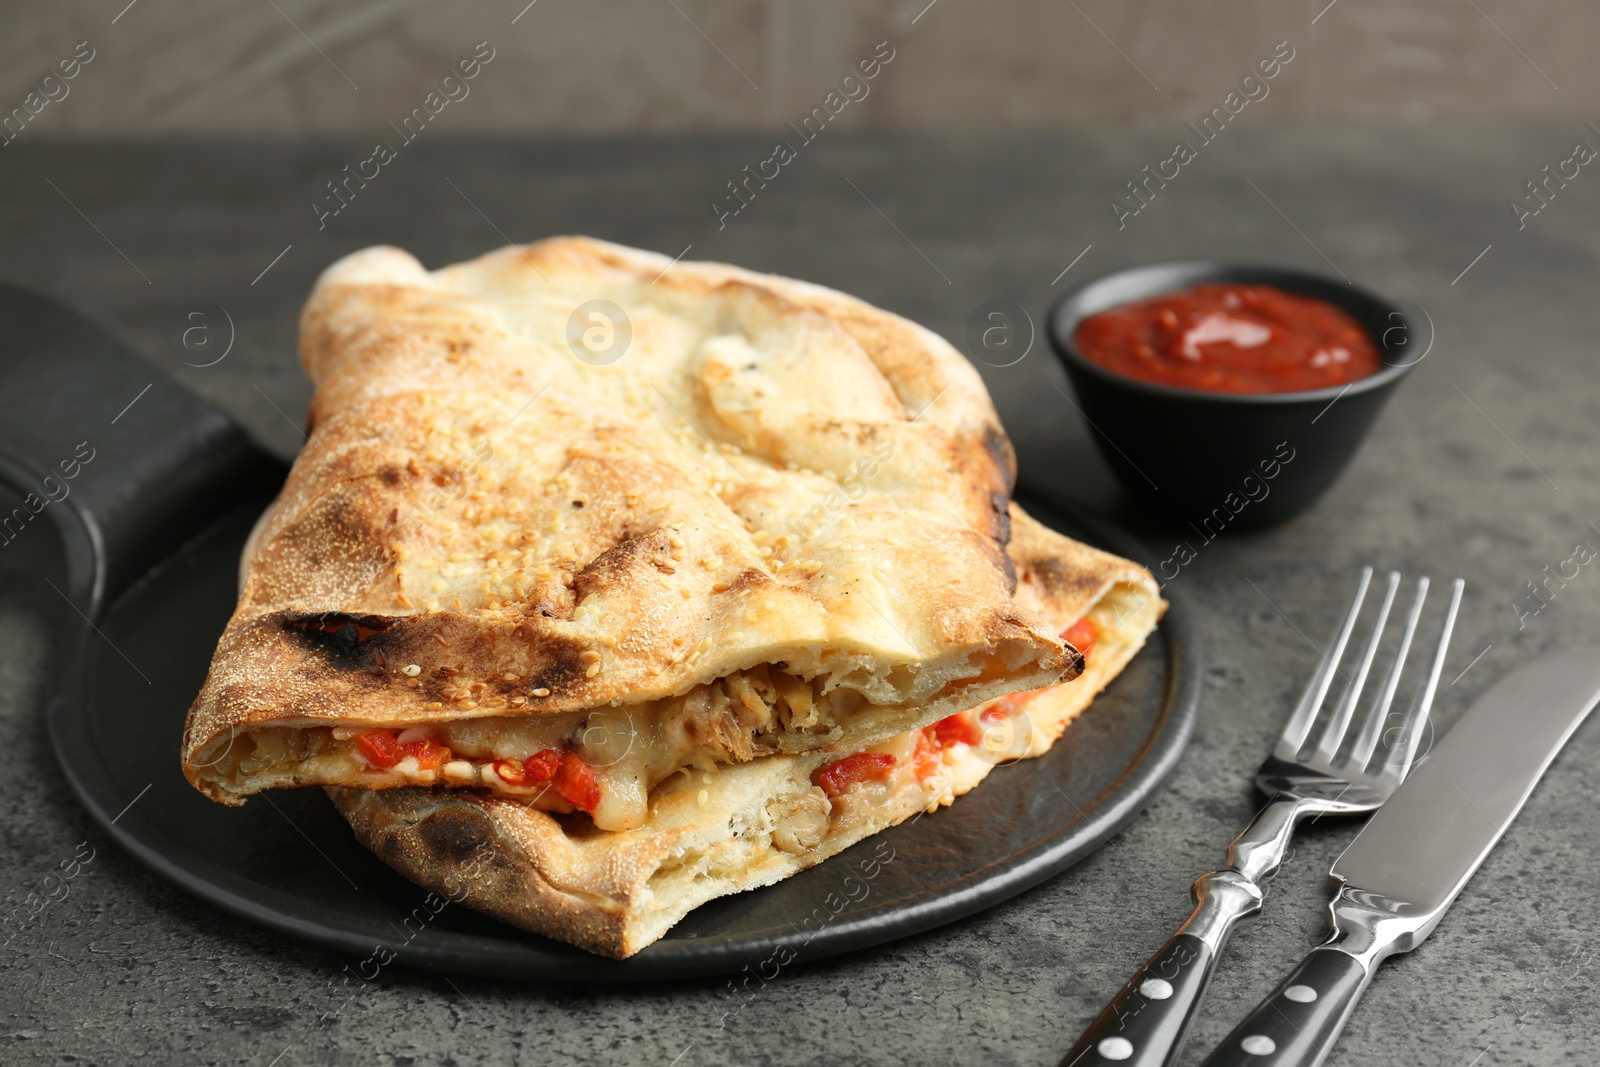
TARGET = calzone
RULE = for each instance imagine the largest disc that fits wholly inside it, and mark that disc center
(573, 518)
(740, 826)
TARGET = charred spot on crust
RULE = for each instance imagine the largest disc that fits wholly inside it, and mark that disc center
(564, 670)
(338, 533)
(989, 473)
(546, 607)
(1002, 509)
(462, 661)
(453, 833)
(390, 849)
(391, 475)
(998, 445)
(750, 578)
(1057, 582)
(1075, 660)
(337, 632)
(995, 553)
(617, 560)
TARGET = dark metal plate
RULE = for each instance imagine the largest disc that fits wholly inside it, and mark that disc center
(141, 581)
(287, 861)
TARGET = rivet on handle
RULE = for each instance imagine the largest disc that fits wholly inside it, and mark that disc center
(1155, 989)
(1115, 1048)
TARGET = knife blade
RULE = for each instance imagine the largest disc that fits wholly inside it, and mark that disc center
(1407, 866)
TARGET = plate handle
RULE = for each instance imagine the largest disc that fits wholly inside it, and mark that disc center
(121, 459)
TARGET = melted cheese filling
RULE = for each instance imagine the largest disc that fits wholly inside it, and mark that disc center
(632, 749)
(635, 748)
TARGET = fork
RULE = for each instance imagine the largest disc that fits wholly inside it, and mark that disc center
(1145, 1024)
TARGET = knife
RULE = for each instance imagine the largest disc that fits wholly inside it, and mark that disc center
(1404, 870)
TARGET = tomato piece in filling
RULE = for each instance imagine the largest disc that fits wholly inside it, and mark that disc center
(840, 775)
(1080, 635)
(575, 782)
(379, 748)
(958, 727)
(429, 754)
(535, 770)
(1002, 709)
(927, 758)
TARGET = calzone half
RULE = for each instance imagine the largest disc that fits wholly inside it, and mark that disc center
(745, 825)
(573, 517)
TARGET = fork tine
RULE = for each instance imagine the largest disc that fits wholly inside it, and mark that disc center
(1411, 730)
(1333, 733)
(1362, 751)
(1305, 713)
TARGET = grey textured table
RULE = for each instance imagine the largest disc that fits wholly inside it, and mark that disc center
(1485, 466)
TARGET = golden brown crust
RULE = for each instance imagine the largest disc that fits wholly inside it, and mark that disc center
(612, 894)
(521, 870)
(1067, 579)
(774, 472)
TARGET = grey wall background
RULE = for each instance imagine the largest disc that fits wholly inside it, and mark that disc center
(202, 68)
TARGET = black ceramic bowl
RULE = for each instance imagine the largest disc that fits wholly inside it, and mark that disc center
(1229, 460)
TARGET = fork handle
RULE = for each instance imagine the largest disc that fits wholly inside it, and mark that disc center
(1297, 1025)
(1145, 1024)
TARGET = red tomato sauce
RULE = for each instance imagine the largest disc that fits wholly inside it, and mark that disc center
(1230, 339)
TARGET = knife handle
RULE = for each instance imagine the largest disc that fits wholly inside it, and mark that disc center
(1297, 1025)
(1145, 1024)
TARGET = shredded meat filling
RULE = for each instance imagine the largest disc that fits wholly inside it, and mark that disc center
(746, 714)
